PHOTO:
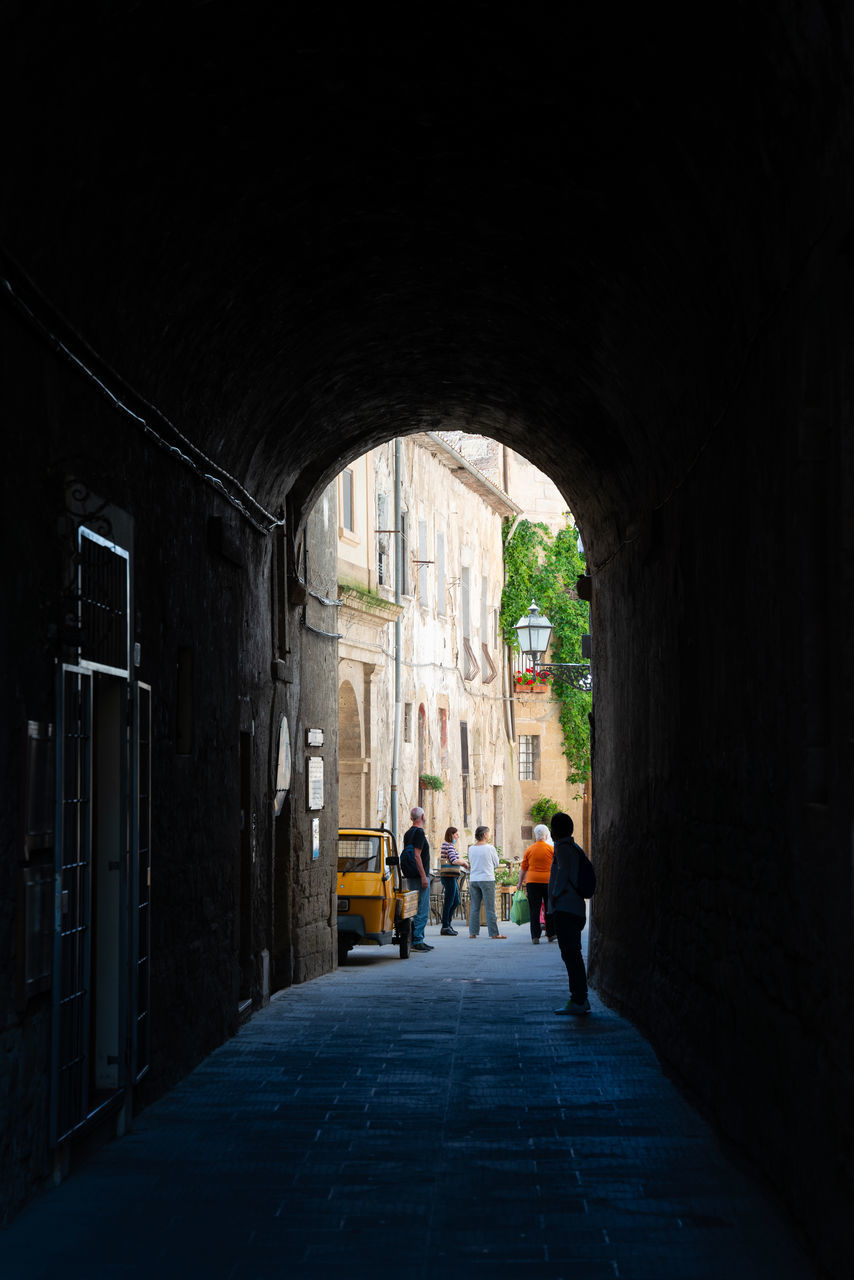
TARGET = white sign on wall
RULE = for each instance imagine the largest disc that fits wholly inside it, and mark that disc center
(315, 782)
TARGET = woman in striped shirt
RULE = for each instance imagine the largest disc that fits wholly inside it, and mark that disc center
(450, 867)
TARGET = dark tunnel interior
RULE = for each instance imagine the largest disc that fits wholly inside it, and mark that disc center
(547, 239)
(282, 236)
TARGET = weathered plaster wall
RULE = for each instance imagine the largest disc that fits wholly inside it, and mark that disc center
(537, 714)
(356, 545)
(432, 662)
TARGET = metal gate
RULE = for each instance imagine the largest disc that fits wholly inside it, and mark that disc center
(72, 904)
(75, 1096)
(140, 879)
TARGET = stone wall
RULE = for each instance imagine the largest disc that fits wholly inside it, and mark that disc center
(202, 590)
(312, 878)
(723, 915)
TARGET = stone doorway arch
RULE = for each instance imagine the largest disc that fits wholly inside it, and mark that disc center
(352, 765)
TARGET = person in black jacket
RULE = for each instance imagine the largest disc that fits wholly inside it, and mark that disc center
(568, 910)
(416, 837)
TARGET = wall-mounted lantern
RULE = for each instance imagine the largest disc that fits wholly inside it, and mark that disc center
(534, 631)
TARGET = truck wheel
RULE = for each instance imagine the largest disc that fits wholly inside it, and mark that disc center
(405, 932)
(342, 951)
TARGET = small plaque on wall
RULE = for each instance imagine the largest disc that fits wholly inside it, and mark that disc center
(315, 838)
(315, 782)
(314, 737)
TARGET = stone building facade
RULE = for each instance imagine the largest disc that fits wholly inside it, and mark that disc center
(541, 763)
(455, 712)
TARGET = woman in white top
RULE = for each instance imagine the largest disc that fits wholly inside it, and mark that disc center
(483, 859)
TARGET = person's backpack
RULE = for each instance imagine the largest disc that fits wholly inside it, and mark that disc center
(408, 865)
(586, 886)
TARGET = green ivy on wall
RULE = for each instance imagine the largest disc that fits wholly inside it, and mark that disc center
(542, 567)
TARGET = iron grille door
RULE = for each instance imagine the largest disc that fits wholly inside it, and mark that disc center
(141, 882)
(72, 904)
(103, 587)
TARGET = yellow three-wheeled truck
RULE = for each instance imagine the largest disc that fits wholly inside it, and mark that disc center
(374, 906)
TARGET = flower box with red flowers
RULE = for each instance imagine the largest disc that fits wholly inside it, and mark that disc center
(532, 680)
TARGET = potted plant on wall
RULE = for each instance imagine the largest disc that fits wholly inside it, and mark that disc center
(544, 809)
(431, 782)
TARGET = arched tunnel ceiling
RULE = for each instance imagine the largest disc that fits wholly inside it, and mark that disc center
(299, 237)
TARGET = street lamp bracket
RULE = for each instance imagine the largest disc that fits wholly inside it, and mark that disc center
(534, 631)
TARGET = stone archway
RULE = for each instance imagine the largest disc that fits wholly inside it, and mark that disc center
(610, 259)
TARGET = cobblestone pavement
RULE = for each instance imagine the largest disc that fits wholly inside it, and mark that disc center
(427, 1118)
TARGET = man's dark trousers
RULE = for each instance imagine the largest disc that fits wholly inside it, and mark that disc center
(569, 929)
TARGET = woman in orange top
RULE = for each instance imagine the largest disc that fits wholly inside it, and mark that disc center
(534, 875)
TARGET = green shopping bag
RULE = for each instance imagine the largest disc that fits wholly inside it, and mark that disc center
(520, 912)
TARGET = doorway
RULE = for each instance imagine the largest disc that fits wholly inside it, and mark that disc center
(101, 963)
(109, 886)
